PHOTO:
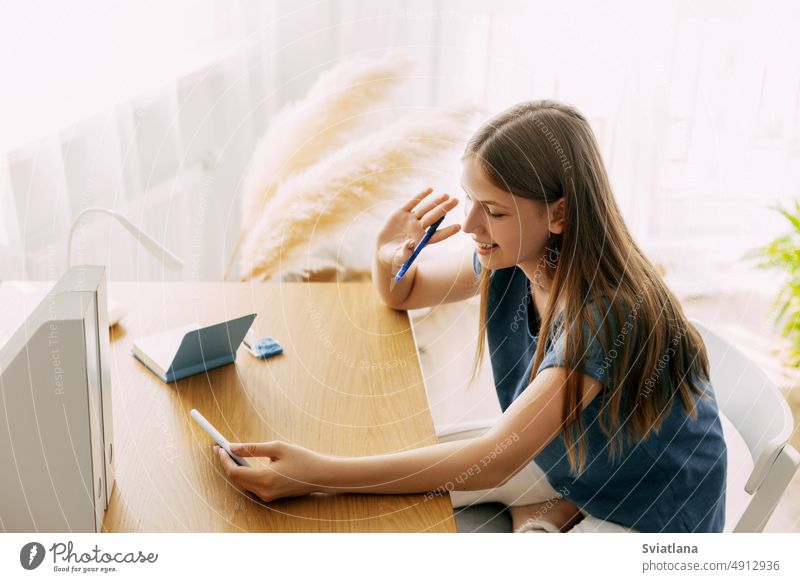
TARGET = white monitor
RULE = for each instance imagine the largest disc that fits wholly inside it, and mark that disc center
(56, 437)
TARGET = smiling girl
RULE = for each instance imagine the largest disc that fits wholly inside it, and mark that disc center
(608, 413)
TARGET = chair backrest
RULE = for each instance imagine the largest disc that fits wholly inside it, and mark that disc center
(750, 401)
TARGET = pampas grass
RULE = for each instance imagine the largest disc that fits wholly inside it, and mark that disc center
(303, 132)
(308, 208)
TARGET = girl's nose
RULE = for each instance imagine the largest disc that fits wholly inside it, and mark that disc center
(472, 221)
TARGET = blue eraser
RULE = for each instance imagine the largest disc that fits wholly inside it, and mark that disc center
(266, 347)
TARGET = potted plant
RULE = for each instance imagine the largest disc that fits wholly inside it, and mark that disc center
(783, 254)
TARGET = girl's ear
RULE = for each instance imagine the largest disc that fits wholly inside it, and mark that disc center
(557, 215)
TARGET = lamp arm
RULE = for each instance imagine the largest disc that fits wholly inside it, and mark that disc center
(153, 247)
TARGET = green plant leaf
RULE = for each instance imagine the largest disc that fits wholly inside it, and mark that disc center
(794, 219)
(783, 254)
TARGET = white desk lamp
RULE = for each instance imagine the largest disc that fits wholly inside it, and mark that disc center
(115, 310)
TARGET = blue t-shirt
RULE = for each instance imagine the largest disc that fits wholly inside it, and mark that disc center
(672, 481)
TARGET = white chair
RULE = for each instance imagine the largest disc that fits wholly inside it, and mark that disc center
(762, 417)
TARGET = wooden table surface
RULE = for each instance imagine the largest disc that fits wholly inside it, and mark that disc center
(348, 383)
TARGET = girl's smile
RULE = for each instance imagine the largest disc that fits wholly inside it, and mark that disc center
(485, 248)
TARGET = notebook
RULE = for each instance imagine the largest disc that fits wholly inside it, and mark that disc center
(188, 350)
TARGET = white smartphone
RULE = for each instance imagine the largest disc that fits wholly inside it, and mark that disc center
(218, 438)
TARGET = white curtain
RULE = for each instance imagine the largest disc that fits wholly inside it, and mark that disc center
(148, 108)
(696, 109)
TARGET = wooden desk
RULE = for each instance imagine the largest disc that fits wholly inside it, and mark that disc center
(348, 383)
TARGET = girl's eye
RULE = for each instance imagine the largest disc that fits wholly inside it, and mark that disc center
(468, 198)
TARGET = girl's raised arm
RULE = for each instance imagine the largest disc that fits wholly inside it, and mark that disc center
(429, 281)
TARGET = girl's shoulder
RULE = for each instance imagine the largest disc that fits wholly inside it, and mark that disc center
(604, 321)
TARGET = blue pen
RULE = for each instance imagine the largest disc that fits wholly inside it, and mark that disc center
(428, 234)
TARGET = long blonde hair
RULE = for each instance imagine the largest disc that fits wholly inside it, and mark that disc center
(545, 150)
